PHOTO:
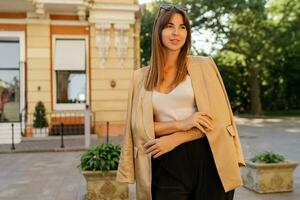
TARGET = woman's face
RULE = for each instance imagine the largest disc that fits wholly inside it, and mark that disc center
(174, 33)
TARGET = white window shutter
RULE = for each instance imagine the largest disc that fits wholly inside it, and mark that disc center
(69, 55)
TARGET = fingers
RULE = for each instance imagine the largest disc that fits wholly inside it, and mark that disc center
(153, 149)
(161, 145)
(149, 143)
(150, 149)
(206, 114)
(201, 128)
(157, 155)
(205, 123)
(155, 152)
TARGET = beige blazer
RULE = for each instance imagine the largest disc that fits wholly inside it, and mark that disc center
(211, 97)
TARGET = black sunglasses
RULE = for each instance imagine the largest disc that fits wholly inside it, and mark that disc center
(170, 7)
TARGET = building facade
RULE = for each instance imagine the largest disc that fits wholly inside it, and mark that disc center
(67, 54)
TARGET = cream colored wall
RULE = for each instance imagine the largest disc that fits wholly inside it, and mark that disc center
(137, 41)
(107, 103)
(38, 66)
(110, 104)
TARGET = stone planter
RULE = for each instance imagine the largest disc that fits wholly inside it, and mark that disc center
(104, 187)
(40, 132)
(268, 178)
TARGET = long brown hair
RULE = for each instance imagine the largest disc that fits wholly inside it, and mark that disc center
(158, 53)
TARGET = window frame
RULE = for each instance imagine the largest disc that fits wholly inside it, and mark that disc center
(18, 36)
(70, 106)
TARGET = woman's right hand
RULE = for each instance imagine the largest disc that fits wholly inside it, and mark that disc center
(200, 120)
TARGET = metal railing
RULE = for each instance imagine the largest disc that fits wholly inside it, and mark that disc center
(61, 124)
(72, 122)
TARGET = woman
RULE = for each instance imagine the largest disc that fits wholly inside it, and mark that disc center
(180, 141)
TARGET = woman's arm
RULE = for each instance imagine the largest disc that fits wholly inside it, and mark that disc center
(164, 144)
(166, 128)
(198, 120)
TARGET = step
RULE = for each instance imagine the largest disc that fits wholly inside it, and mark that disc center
(8, 141)
(6, 133)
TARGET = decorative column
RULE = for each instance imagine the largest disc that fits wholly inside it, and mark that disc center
(81, 12)
(102, 41)
(40, 10)
(121, 41)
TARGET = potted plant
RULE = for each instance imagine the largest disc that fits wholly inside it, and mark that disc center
(268, 172)
(40, 123)
(98, 165)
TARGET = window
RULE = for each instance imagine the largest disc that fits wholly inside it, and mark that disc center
(70, 86)
(9, 81)
(70, 71)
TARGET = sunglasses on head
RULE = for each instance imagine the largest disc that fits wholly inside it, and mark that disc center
(170, 7)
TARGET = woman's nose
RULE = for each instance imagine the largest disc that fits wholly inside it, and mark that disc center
(175, 31)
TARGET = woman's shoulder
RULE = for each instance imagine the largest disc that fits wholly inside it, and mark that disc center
(141, 70)
(140, 73)
(200, 58)
(204, 62)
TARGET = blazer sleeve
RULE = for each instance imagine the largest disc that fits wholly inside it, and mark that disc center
(236, 138)
(125, 172)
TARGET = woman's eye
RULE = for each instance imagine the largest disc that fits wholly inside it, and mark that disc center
(169, 26)
(183, 27)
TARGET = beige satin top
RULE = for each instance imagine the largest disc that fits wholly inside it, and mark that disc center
(178, 104)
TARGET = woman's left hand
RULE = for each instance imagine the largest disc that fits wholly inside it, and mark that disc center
(160, 146)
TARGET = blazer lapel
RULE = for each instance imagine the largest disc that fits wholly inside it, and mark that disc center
(199, 85)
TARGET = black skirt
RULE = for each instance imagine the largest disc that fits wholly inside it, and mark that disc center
(187, 173)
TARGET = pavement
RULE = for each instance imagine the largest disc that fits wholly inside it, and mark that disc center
(51, 173)
(54, 143)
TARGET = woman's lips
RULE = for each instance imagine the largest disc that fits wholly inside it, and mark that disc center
(174, 41)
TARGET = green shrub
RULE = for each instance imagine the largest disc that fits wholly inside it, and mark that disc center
(103, 157)
(267, 157)
(40, 120)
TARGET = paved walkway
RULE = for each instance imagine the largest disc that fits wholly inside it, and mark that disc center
(53, 144)
(54, 176)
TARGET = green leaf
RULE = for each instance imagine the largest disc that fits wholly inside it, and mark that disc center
(103, 157)
(267, 157)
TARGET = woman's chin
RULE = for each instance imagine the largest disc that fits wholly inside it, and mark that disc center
(173, 49)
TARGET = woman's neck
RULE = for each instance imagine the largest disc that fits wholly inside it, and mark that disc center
(171, 61)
